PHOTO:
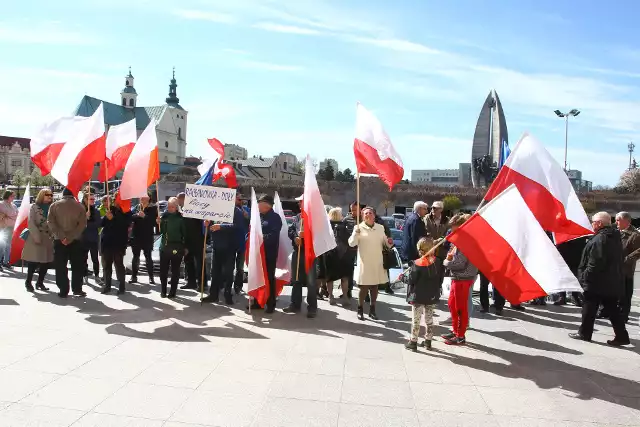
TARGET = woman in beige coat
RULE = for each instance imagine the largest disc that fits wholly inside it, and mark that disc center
(370, 239)
(38, 248)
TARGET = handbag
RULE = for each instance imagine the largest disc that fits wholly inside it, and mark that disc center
(24, 234)
(389, 259)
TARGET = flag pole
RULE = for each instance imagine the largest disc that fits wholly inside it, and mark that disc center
(299, 249)
(204, 256)
(106, 178)
(358, 197)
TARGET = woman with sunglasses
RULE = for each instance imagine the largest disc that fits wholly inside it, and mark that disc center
(38, 247)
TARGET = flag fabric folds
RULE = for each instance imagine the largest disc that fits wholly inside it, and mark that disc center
(143, 167)
(545, 188)
(46, 144)
(22, 222)
(213, 167)
(283, 263)
(318, 234)
(120, 141)
(257, 281)
(83, 148)
(373, 149)
(505, 241)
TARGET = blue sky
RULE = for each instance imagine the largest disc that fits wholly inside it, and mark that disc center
(285, 75)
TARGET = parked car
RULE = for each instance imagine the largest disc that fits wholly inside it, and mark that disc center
(396, 235)
(389, 221)
(398, 216)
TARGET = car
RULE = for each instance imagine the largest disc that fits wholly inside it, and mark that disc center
(288, 213)
(398, 216)
(396, 235)
(389, 221)
(162, 206)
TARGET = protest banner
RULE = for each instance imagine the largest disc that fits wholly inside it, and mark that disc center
(210, 203)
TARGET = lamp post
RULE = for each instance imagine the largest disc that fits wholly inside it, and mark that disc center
(566, 116)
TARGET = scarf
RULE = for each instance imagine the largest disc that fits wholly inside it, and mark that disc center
(45, 209)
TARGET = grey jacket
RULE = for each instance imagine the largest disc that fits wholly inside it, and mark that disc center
(460, 267)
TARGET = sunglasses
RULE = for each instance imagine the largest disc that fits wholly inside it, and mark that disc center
(48, 195)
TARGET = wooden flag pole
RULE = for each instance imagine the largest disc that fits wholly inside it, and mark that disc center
(358, 198)
(106, 179)
(204, 257)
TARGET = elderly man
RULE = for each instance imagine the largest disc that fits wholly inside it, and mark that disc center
(631, 253)
(194, 241)
(601, 277)
(414, 229)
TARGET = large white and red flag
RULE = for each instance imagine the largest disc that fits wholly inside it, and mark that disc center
(120, 141)
(373, 149)
(545, 188)
(505, 241)
(213, 167)
(22, 222)
(47, 142)
(143, 167)
(84, 147)
(285, 249)
(257, 280)
(318, 234)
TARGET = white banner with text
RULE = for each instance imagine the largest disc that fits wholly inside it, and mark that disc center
(210, 203)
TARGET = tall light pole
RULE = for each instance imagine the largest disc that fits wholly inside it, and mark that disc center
(631, 147)
(566, 116)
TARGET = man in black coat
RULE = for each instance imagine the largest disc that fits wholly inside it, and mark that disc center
(414, 229)
(194, 243)
(142, 237)
(600, 274)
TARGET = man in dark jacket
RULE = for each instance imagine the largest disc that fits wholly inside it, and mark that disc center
(241, 231)
(115, 239)
(225, 246)
(631, 253)
(142, 237)
(271, 226)
(91, 237)
(414, 229)
(195, 242)
(601, 277)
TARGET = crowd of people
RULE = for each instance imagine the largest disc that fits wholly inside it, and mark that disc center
(71, 231)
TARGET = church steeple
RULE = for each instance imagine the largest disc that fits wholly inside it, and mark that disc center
(173, 96)
(129, 95)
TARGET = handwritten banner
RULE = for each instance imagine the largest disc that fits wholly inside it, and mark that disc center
(212, 203)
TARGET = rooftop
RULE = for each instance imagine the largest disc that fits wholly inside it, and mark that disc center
(8, 141)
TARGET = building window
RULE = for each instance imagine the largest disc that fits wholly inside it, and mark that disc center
(166, 144)
(179, 132)
(284, 165)
(16, 163)
(124, 102)
(178, 116)
(131, 102)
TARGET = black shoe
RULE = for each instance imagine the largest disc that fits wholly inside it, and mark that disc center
(61, 295)
(29, 287)
(372, 313)
(189, 286)
(291, 309)
(120, 292)
(133, 280)
(106, 290)
(388, 290)
(228, 299)
(618, 342)
(81, 294)
(448, 336)
(41, 287)
(270, 309)
(425, 344)
(577, 336)
(1, 269)
(311, 314)
(360, 313)
(411, 346)
(456, 341)
(498, 311)
(484, 310)
(163, 295)
(518, 307)
(237, 291)
(171, 295)
(211, 299)
(561, 301)
(151, 281)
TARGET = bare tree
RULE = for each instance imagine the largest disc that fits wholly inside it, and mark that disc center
(629, 181)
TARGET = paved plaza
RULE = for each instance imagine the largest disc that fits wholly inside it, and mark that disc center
(139, 360)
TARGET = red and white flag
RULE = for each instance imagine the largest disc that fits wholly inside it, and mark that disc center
(48, 141)
(318, 234)
(143, 167)
(545, 188)
(283, 264)
(505, 241)
(120, 141)
(257, 281)
(373, 149)
(214, 158)
(84, 147)
(22, 222)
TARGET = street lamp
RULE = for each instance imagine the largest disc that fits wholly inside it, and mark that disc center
(566, 116)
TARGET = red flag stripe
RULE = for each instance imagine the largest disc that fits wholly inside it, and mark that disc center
(368, 162)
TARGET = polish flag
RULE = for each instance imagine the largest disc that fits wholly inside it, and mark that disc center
(22, 221)
(318, 234)
(143, 167)
(373, 149)
(545, 188)
(48, 141)
(257, 281)
(84, 148)
(505, 241)
(120, 141)
(283, 264)
(213, 167)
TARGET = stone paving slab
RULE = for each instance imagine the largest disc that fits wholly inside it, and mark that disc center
(139, 360)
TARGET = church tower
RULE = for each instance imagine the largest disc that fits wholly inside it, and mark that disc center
(129, 95)
(172, 99)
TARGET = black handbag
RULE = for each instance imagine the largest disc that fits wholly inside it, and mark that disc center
(389, 259)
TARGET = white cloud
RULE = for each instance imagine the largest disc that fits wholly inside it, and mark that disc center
(289, 29)
(203, 15)
(269, 66)
(48, 33)
(395, 44)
